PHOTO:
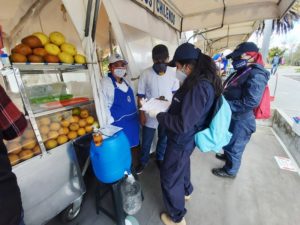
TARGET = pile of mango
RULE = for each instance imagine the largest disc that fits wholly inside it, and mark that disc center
(23, 148)
(59, 128)
(39, 48)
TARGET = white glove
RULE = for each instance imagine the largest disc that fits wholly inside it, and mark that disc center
(153, 113)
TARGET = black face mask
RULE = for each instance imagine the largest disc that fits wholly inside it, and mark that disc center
(160, 68)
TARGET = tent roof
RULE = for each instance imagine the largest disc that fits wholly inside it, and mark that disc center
(232, 20)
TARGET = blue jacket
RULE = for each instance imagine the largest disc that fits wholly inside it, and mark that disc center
(188, 113)
(245, 94)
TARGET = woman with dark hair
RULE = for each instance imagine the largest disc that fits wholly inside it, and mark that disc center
(188, 113)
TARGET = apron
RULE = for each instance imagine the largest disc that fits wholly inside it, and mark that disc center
(125, 114)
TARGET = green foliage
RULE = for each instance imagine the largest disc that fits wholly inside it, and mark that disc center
(274, 51)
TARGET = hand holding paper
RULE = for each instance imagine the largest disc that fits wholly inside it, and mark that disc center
(155, 105)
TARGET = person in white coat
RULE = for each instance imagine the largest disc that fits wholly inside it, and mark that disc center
(158, 81)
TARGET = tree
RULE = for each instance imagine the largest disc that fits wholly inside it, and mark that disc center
(274, 51)
(293, 58)
(286, 23)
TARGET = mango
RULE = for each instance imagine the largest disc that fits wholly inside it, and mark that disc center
(68, 48)
(57, 38)
(52, 49)
(32, 41)
(80, 59)
(65, 57)
(22, 49)
(43, 37)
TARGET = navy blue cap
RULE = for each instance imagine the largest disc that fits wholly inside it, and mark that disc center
(242, 48)
(184, 52)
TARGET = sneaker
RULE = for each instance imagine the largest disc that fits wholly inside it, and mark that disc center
(168, 221)
(221, 172)
(221, 156)
(139, 169)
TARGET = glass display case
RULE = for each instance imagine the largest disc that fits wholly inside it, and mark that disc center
(59, 106)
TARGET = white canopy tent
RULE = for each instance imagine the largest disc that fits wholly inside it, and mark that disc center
(231, 21)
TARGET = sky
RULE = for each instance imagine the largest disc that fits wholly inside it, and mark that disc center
(285, 41)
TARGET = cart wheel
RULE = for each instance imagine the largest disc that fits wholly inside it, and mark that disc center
(67, 215)
(130, 220)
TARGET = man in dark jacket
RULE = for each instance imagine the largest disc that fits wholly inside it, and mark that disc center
(243, 90)
(12, 125)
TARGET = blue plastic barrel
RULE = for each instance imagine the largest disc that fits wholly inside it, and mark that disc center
(111, 159)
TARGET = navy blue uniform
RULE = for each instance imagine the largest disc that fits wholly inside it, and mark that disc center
(187, 114)
(243, 96)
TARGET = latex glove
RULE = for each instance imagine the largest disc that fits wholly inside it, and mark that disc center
(153, 113)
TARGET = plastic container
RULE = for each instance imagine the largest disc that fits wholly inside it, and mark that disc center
(5, 60)
(131, 195)
(112, 159)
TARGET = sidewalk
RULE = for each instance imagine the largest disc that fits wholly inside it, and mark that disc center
(287, 96)
(261, 194)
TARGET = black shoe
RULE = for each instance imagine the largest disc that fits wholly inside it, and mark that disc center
(220, 172)
(221, 156)
(158, 163)
(139, 169)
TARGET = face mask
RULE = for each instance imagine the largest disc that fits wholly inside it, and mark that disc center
(160, 68)
(239, 64)
(119, 72)
(181, 76)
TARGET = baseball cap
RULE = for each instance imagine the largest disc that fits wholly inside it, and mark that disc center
(242, 48)
(115, 58)
(185, 51)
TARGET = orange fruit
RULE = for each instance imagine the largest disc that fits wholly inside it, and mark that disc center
(36, 150)
(72, 135)
(28, 143)
(62, 139)
(82, 123)
(88, 129)
(50, 144)
(53, 135)
(14, 159)
(84, 113)
(28, 134)
(74, 119)
(63, 130)
(74, 126)
(54, 126)
(65, 123)
(14, 147)
(90, 120)
(45, 121)
(81, 131)
(26, 154)
(44, 130)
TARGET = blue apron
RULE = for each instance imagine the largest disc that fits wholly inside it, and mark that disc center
(124, 112)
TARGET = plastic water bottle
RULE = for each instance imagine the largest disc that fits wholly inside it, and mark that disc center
(5, 60)
(131, 195)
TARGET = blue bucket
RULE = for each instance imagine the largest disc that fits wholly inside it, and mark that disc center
(111, 159)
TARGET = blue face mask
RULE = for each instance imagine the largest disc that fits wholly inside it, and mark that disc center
(239, 64)
(160, 68)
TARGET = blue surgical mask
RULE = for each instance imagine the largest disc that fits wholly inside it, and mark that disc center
(181, 75)
(160, 68)
(239, 64)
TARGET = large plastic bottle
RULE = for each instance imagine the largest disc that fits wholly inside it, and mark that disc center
(112, 159)
(131, 195)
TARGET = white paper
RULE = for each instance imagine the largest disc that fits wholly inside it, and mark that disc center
(156, 105)
(109, 130)
(285, 164)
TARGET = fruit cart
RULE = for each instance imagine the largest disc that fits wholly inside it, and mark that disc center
(58, 102)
